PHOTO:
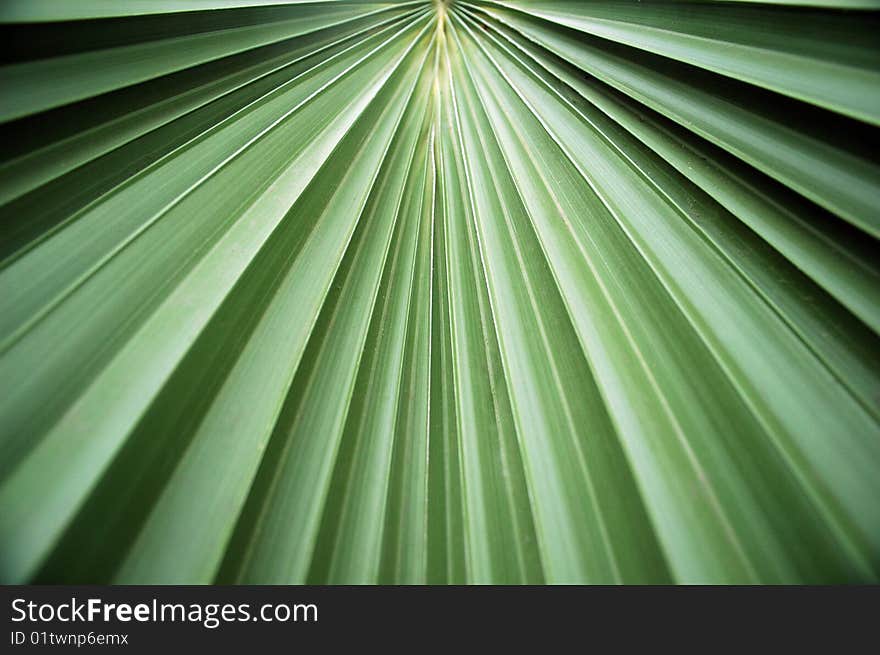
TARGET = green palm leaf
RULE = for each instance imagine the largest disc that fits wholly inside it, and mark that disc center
(471, 292)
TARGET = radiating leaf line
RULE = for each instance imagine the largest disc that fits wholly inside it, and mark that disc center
(49, 305)
(49, 83)
(837, 179)
(867, 402)
(745, 47)
(19, 177)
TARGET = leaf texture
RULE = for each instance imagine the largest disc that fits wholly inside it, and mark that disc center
(417, 292)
